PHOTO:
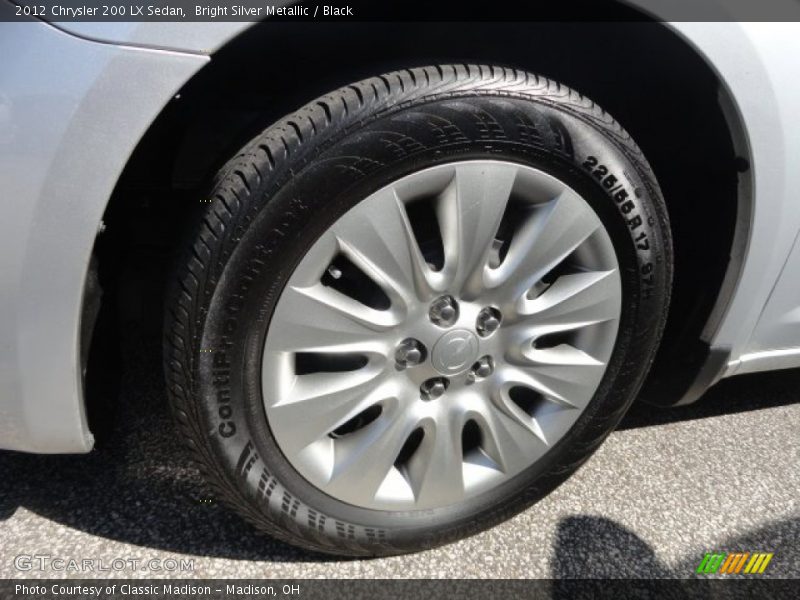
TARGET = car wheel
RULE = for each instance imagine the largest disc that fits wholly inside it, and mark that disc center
(415, 306)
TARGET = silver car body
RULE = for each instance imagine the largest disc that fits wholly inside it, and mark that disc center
(77, 97)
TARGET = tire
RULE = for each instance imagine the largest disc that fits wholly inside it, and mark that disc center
(285, 189)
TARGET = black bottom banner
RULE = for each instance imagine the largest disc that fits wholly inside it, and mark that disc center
(351, 589)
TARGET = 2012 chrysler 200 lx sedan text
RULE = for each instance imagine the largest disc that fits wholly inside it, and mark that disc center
(413, 274)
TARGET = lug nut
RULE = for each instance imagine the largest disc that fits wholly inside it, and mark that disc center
(488, 321)
(482, 368)
(409, 353)
(444, 311)
(433, 388)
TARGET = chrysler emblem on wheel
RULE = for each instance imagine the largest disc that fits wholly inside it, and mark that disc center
(455, 351)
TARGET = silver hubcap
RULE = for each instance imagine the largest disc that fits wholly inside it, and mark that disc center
(441, 336)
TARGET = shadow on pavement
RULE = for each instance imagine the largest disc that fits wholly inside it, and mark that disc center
(734, 395)
(140, 488)
(596, 547)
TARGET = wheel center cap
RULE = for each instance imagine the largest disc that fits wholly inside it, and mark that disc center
(455, 351)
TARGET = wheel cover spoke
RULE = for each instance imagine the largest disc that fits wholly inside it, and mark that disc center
(339, 323)
(470, 210)
(382, 398)
(318, 404)
(364, 459)
(380, 240)
(574, 301)
(435, 471)
(545, 239)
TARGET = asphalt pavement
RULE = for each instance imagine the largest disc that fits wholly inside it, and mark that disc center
(669, 486)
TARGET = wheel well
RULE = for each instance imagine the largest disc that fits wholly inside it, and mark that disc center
(651, 80)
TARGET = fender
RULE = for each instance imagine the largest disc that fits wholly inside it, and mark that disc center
(67, 128)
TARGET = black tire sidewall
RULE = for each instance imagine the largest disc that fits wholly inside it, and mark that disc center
(313, 190)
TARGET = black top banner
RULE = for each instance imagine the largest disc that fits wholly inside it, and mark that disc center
(408, 10)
